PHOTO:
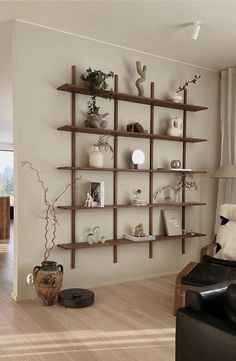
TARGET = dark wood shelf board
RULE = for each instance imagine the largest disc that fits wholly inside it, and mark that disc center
(77, 129)
(112, 206)
(118, 242)
(134, 98)
(130, 170)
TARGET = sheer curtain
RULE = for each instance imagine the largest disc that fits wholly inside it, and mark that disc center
(227, 188)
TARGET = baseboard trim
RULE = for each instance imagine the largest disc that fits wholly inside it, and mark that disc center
(29, 295)
(130, 279)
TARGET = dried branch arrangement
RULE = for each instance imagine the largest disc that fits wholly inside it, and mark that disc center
(186, 84)
(103, 144)
(184, 181)
(50, 215)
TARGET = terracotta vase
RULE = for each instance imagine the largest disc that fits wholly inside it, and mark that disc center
(48, 280)
(95, 157)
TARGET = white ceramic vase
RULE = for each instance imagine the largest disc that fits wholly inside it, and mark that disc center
(175, 128)
(95, 157)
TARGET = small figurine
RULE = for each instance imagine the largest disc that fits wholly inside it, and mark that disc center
(89, 201)
(142, 73)
(138, 231)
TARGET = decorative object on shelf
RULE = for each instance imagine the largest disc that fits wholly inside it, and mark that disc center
(175, 128)
(136, 128)
(173, 224)
(137, 200)
(192, 233)
(176, 98)
(184, 232)
(97, 193)
(95, 157)
(142, 73)
(95, 154)
(146, 237)
(187, 82)
(139, 235)
(175, 164)
(48, 277)
(48, 281)
(138, 158)
(185, 181)
(94, 236)
(138, 230)
(96, 121)
(97, 83)
(89, 201)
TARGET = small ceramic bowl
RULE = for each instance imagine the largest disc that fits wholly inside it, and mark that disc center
(176, 98)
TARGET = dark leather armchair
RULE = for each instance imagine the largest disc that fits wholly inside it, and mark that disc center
(206, 327)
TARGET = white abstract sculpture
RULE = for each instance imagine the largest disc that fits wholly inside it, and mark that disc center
(89, 201)
(142, 73)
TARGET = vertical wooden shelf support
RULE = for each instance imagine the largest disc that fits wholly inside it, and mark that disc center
(73, 164)
(184, 166)
(115, 175)
(151, 173)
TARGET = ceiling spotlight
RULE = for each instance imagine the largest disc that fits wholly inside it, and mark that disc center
(196, 29)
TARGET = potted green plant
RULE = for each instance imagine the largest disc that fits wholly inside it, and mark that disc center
(97, 84)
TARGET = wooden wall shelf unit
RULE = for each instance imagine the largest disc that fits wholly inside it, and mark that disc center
(117, 242)
(128, 170)
(73, 128)
(112, 206)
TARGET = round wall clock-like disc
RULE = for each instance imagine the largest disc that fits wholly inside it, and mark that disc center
(138, 157)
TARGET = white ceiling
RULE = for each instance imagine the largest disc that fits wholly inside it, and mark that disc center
(161, 28)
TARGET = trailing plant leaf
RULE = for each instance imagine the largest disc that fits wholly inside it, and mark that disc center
(97, 84)
(97, 80)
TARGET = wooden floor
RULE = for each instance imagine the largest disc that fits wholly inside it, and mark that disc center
(129, 322)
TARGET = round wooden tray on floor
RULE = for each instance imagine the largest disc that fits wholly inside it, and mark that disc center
(76, 297)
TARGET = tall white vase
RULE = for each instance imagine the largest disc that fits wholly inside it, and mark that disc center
(95, 157)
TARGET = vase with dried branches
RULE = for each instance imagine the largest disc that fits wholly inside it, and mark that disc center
(48, 277)
(95, 155)
(184, 181)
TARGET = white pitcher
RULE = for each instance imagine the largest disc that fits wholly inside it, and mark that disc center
(175, 128)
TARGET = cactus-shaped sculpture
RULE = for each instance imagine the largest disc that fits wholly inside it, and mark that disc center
(142, 73)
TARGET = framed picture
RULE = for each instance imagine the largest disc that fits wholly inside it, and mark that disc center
(173, 222)
(97, 193)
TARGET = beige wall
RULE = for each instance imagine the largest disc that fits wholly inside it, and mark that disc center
(43, 60)
(6, 121)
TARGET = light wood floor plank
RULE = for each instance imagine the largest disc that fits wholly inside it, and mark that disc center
(131, 321)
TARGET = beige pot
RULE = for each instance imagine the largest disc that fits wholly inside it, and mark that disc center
(95, 157)
(48, 281)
